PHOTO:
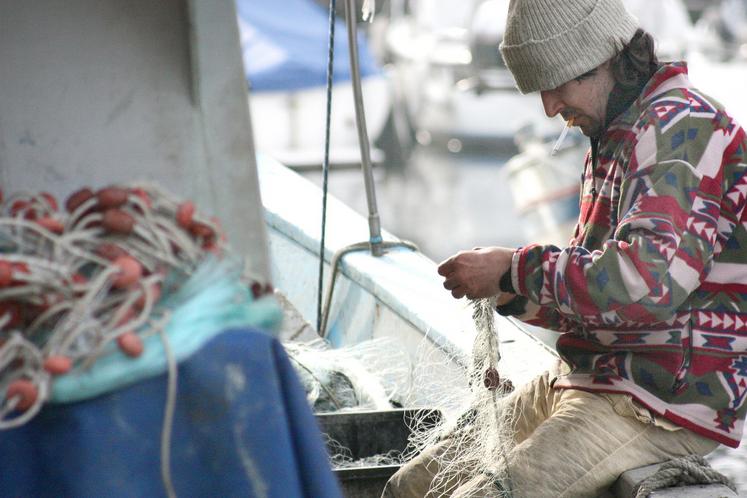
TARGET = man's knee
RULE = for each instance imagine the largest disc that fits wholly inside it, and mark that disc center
(412, 480)
(389, 491)
(415, 478)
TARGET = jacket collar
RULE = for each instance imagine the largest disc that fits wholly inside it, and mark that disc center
(624, 104)
(668, 77)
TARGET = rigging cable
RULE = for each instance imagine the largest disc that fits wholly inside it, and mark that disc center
(325, 163)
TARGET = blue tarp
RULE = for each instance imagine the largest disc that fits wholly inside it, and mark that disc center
(242, 427)
(285, 42)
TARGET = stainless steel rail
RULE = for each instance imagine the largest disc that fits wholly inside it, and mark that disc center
(374, 223)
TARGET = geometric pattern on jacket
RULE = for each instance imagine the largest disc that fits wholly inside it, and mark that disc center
(651, 293)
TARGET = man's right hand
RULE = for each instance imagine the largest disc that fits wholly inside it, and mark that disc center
(476, 273)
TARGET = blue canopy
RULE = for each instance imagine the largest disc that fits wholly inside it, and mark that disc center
(285, 43)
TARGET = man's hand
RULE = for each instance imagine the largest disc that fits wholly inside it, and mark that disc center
(476, 273)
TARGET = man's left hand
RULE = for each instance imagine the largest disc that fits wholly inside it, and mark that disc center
(476, 273)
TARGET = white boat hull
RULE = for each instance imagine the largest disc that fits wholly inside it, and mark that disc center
(398, 295)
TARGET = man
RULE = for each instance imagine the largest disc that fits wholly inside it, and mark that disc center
(650, 295)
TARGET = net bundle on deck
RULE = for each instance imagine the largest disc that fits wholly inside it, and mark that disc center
(370, 375)
(82, 280)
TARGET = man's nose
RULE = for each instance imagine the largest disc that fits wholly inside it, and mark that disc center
(552, 103)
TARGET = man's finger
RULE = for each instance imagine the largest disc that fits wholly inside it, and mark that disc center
(444, 268)
(450, 284)
(458, 292)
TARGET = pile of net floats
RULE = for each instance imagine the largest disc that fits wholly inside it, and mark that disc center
(77, 278)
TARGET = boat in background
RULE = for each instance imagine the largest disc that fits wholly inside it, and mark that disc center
(721, 31)
(455, 87)
(545, 188)
(284, 47)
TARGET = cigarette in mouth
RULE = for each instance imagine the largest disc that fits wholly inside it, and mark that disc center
(563, 133)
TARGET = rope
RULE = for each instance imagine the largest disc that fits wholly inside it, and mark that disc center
(325, 163)
(168, 418)
(691, 469)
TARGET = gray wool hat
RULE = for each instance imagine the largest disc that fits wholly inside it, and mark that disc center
(550, 42)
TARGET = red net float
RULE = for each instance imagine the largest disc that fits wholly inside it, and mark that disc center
(117, 221)
(50, 200)
(58, 365)
(25, 391)
(77, 198)
(129, 271)
(111, 197)
(130, 344)
(52, 224)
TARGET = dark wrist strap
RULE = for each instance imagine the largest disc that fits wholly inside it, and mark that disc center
(505, 284)
(516, 306)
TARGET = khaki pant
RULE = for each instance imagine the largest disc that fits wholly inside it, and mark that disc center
(569, 443)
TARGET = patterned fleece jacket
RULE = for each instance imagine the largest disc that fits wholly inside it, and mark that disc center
(651, 293)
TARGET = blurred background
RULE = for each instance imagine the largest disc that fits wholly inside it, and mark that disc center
(461, 158)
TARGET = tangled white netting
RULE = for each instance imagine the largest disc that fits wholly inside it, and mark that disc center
(475, 443)
(473, 432)
(365, 376)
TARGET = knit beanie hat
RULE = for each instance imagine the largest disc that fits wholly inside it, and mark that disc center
(550, 42)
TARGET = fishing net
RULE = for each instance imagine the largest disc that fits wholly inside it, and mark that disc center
(472, 432)
(82, 283)
(475, 434)
(371, 375)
